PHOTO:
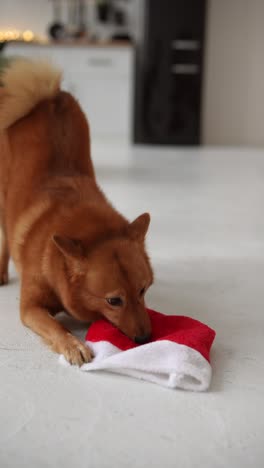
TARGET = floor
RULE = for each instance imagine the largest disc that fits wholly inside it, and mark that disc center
(207, 246)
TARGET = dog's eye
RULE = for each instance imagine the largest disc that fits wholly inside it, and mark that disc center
(142, 291)
(115, 301)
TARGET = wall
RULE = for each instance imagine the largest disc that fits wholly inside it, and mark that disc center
(38, 14)
(26, 14)
(234, 70)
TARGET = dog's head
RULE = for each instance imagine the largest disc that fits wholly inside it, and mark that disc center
(112, 279)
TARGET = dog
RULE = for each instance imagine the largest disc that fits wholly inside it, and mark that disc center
(73, 251)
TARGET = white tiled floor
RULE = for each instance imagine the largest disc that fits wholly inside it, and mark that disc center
(207, 245)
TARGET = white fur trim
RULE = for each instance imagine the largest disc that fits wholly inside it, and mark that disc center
(163, 362)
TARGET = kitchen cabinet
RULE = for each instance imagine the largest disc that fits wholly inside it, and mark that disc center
(99, 77)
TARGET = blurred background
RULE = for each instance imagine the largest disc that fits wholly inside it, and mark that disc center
(166, 72)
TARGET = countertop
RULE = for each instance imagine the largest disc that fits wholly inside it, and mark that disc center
(74, 43)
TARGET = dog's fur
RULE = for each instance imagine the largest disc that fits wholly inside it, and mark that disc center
(73, 250)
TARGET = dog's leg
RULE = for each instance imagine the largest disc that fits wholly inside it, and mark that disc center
(4, 171)
(38, 318)
(4, 252)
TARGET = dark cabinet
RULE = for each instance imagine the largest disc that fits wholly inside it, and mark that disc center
(168, 72)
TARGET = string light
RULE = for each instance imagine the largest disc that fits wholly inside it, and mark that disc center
(15, 35)
(28, 35)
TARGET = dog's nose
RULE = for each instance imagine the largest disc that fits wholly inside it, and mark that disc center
(142, 339)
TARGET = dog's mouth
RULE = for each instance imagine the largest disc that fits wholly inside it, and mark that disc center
(141, 339)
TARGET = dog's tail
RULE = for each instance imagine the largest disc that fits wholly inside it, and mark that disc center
(23, 84)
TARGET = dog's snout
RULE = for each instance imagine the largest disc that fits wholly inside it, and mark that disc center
(142, 339)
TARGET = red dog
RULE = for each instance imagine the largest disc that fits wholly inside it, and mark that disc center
(73, 250)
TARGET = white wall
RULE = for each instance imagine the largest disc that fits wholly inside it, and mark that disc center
(234, 73)
(36, 15)
(26, 14)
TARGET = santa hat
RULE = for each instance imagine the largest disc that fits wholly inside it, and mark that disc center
(176, 357)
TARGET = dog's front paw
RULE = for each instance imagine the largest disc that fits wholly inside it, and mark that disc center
(74, 351)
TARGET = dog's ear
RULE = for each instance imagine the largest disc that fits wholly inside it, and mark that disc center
(139, 227)
(69, 247)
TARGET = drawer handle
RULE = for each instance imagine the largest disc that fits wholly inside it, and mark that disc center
(185, 44)
(185, 69)
(100, 62)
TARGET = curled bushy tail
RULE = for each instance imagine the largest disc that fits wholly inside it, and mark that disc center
(25, 83)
